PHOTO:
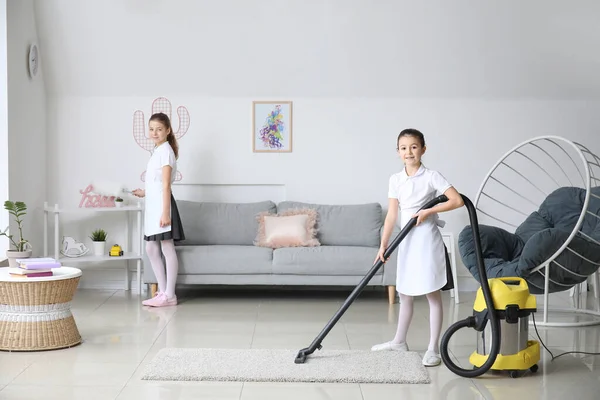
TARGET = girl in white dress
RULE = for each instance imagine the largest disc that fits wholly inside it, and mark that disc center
(421, 254)
(162, 224)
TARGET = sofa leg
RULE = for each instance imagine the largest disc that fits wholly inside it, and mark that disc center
(153, 289)
(392, 294)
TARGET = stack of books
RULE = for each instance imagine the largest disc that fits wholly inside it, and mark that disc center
(34, 267)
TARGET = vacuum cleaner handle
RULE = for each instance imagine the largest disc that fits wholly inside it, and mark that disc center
(316, 344)
(410, 224)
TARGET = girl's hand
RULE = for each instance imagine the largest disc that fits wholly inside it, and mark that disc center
(139, 193)
(422, 215)
(165, 220)
(380, 254)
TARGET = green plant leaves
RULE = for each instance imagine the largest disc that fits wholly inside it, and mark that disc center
(99, 235)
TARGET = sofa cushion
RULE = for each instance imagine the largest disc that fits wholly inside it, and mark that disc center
(221, 223)
(292, 228)
(324, 260)
(344, 225)
(223, 259)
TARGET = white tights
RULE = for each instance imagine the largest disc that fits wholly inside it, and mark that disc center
(165, 284)
(435, 319)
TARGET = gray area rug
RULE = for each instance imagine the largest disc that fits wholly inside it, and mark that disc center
(268, 365)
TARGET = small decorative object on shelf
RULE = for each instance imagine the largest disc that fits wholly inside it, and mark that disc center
(99, 238)
(118, 202)
(73, 248)
(95, 200)
(116, 251)
(22, 248)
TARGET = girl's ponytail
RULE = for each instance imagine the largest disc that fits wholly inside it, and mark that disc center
(173, 142)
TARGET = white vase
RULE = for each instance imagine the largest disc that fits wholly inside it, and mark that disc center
(99, 248)
(118, 204)
(13, 255)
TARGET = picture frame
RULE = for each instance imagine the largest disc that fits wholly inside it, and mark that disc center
(272, 126)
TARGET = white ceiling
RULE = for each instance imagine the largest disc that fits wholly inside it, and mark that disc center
(376, 48)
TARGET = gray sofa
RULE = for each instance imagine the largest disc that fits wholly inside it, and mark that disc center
(219, 247)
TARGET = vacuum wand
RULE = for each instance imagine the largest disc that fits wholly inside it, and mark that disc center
(472, 322)
(316, 344)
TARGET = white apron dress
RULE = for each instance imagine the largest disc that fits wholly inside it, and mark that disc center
(161, 156)
(421, 265)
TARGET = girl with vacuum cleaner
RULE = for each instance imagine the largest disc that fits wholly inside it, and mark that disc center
(421, 268)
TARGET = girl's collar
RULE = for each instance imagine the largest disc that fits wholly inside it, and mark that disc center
(156, 147)
(419, 171)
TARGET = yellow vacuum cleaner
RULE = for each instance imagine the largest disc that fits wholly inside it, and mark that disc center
(513, 305)
(501, 316)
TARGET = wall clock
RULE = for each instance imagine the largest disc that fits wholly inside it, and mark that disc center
(33, 60)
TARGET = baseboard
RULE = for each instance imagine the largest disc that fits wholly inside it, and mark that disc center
(107, 279)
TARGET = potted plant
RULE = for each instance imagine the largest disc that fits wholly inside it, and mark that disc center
(22, 247)
(118, 202)
(99, 239)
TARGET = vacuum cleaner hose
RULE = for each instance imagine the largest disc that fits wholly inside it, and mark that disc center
(471, 322)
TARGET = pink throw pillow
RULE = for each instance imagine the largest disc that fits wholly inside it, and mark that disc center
(291, 228)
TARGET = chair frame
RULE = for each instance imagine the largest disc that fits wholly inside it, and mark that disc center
(544, 268)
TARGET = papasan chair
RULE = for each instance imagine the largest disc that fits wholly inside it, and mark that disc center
(543, 203)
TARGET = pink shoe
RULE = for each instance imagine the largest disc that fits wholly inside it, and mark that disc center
(148, 302)
(162, 301)
(171, 301)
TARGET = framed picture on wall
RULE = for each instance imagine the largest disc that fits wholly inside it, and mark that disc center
(272, 126)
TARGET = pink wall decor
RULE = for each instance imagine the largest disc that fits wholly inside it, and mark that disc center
(140, 125)
(95, 200)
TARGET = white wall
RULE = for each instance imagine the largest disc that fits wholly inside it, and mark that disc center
(354, 137)
(3, 130)
(322, 48)
(357, 71)
(26, 121)
(346, 159)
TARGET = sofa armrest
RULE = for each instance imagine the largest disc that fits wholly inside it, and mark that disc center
(390, 267)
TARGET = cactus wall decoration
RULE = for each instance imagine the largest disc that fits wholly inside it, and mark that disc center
(161, 104)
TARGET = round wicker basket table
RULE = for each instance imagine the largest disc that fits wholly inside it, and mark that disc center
(35, 313)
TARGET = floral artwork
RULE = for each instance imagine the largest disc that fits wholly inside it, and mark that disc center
(272, 126)
(271, 133)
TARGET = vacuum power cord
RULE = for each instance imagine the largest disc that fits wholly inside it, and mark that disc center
(561, 354)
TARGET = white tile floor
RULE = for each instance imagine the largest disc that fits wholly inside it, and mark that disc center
(120, 337)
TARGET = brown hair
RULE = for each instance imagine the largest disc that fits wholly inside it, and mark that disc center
(411, 132)
(164, 119)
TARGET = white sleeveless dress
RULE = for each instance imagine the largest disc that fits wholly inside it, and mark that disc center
(421, 265)
(161, 156)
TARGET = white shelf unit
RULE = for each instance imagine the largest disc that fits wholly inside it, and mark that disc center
(128, 255)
